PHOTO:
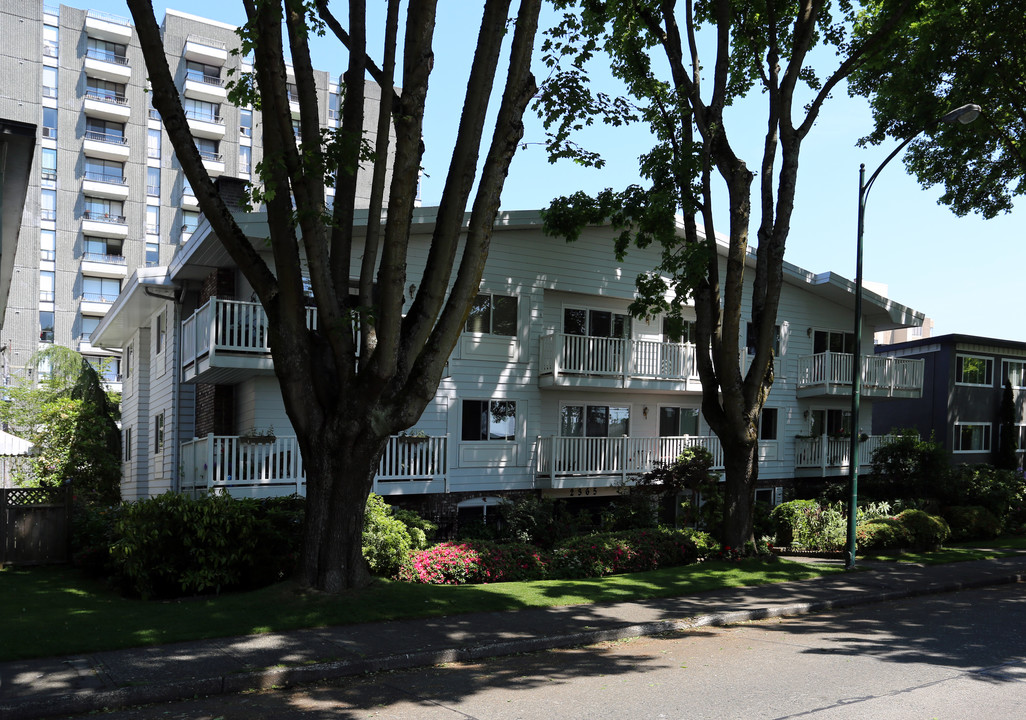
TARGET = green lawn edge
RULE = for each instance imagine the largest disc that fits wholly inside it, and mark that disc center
(55, 611)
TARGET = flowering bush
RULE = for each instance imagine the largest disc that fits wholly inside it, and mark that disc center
(620, 552)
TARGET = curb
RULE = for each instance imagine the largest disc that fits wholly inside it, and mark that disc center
(276, 677)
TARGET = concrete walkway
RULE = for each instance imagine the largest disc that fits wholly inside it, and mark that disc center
(62, 686)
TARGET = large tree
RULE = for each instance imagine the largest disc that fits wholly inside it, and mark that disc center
(345, 397)
(756, 47)
(955, 52)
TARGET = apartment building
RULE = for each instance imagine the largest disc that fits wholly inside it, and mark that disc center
(552, 389)
(106, 195)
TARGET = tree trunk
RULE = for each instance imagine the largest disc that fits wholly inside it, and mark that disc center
(339, 476)
(739, 461)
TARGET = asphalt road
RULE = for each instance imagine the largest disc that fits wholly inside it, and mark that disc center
(952, 656)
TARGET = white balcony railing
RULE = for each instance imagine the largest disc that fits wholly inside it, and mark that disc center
(263, 467)
(881, 375)
(565, 354)
(622, 456)
(832, 451)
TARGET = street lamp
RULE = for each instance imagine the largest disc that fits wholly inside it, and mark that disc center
(963, 115)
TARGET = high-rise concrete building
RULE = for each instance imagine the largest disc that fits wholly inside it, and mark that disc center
(106, 194)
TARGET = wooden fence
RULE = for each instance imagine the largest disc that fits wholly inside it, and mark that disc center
(35, 525)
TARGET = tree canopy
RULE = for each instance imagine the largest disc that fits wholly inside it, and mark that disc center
(955, 52)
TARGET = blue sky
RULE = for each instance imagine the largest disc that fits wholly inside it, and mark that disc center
(965, 273)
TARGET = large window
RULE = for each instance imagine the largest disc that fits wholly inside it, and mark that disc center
(46, 326)
(107, 51)
(108, 171)
(494, 420)
(594, 421)
(246, 123)
(106, 131)
(768, 424)
(47, 204)
(596, 323)
(493, 314)
(201, 110)
(971, 437)
(105, 90)
(101, 249)
(208, 149)
(96, 289)
(153, 181)
(209, 74)
(152, 219)
(833, 341)
(51, 41)
(245, 159)
(677, 421)
(48, 166)
(752, 338)
(831, 422)
(158, 433)
(47, 244)
(680, 330)
(153, 143)
(49, 82)
(50, 122)
(104, 209)
(46, 285)
(974, 370)
(1015, 372)
(89, 324)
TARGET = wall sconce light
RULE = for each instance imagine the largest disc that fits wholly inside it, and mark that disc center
(413, 290)
(809, 332)
(644, 411)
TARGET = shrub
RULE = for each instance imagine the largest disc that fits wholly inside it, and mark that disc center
(806, 524)
(907, 467)
(386, 538)
(926, 531)
(450, 563)
(882, 534)
(972, 522)
(172, 545)
(92, 535)
(999, 491)
(786, 518)
(601, 554)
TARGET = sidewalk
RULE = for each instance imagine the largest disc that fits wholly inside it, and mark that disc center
(57, 687)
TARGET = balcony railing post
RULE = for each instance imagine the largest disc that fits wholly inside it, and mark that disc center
(824, 449)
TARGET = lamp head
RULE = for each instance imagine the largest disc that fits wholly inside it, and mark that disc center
(964, 115)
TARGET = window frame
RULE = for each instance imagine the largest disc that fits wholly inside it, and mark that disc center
(772, 429)
(1005, 362)
(491, 313)
(465, 427)
(960, 370)
(158, 433)
(956, 440)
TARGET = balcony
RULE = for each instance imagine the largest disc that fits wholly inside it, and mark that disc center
(108, 146)
(205, 125)
(105, 185)
(827, 373)
(107, 66)
(188, 201)
(259, 467)
(581, 361)
(205, 88)
(105, 26)
(103, 224)
(578, 462)
(94, 303)
(830, 455)
(103, 265)
(225, 341)
(205, 50)
(107, 105)
(213, 162)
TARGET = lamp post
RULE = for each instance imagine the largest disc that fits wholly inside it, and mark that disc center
(964, 115)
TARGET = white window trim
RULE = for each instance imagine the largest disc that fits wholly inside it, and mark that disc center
(955, 435)
(516, 420)
(489, 333)
(970, 384)
(659, 411)
(1004, 371)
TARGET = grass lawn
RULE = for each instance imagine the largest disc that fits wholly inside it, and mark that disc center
(942, 556)
(49, 611)
(1010, 542)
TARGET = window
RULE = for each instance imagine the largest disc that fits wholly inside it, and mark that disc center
(1015, 371)
(333, 106)
(678, 330)
(105, 90)
(494, 420)
(246, 123)
(594, 421)
(971, 437)
(50, 41)
(833, 341)
(49, 82)
(190, 220)
(47, 204)
(106, 131)
(245, 159)
(187, 187)
(153, 219)
(677, 421)
(208, 149)
(104, 209)
(768, 424)
(108, 171)
(160, 331)
(126, 443)
(46, 278)
(153, 181)
(208, 74)
(96, 289)
(201, 110)
(153, 143)
(48, 166)
(47, 244)
(831, 422)
(101, 249)
(493, 314)
(152, 254)
(129, 360)
(89, 324)
(596, 323)
(752, 337)
(971, 370)
(46, 326)
(108, 368)
(158, 433)
(107, 51)
(50, 122)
